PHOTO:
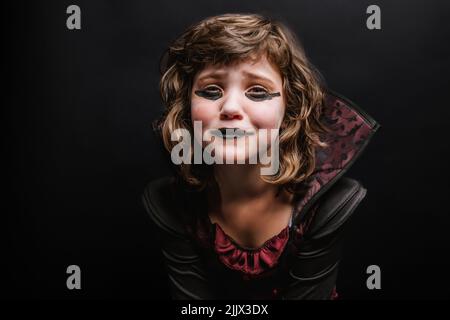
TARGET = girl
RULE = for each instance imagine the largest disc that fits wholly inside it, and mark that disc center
(225, 229)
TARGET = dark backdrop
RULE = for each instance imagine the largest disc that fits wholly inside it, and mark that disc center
(79, 150)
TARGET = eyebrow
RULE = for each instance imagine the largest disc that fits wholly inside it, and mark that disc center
(218, 75)
(259, 77)
(212, 75)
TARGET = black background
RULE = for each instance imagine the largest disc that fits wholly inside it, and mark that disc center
(77, 108)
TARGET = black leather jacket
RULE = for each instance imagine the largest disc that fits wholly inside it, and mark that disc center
(308, 266)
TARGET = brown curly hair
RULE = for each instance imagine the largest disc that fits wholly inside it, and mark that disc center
(229, 38)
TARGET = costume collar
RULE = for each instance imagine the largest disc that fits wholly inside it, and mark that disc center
(350, 130)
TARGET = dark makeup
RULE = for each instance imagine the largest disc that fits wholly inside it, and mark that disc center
(214, 93)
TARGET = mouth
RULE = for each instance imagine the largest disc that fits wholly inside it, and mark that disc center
(231, 133)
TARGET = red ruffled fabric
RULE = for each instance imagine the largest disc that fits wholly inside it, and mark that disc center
(250, 261)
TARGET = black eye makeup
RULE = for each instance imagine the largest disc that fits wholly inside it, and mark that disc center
(210, 92)
(254, 94)
(260, 94)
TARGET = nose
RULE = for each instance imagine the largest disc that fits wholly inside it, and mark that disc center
(231, 108)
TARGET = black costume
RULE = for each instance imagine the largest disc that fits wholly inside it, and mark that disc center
(301, 262)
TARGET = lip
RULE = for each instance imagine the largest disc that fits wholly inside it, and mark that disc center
(232, 133)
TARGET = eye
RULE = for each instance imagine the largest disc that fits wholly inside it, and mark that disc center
(260, 94)
(210, 92)
(258, 89)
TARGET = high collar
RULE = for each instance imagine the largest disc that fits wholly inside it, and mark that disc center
(350, 130)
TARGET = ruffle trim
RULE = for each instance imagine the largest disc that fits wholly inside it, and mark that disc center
(248, 260)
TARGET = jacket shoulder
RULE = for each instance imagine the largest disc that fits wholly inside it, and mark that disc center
(162, 202)
(336, 206)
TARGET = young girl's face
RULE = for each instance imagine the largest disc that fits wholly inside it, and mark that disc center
(247, 96)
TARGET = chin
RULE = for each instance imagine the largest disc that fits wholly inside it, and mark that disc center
(236, 154)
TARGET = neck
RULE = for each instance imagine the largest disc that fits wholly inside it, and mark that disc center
(241, 182)
(240, 191)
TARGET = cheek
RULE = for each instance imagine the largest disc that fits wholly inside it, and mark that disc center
(204, 112)
(267, 116)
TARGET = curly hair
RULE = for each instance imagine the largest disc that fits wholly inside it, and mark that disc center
(230, 38)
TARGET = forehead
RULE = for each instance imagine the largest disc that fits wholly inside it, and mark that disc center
(256, 68)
